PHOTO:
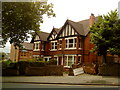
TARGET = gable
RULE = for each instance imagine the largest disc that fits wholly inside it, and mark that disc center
(53, 35)
(36, 38)
(67, 30)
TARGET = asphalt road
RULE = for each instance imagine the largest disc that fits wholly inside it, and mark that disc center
(25, 85)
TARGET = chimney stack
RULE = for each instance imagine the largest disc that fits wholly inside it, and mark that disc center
(91, 19)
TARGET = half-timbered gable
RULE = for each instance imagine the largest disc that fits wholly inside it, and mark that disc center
(67, 30)
(53, 34)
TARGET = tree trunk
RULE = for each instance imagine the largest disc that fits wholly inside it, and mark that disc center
(104, 59)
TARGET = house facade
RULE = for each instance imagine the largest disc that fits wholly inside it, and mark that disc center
(69, 44)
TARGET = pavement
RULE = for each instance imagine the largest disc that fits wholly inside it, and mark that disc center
(83, 79)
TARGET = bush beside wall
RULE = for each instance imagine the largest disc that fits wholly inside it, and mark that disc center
(109, 69)
(48, 70)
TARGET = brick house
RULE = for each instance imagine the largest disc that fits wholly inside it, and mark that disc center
(24, 53)
(69, 44)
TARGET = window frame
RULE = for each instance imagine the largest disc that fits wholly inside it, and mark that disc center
(54, 45)
(68, 44)
(38, 44)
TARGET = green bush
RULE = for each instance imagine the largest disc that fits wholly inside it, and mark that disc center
(52, 62)
(6, 64)
(37, 64)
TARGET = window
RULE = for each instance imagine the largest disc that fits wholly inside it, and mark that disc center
(60, 43)
(54, 45)
(71, 43)
(36, 56)
(69, 60)
(36, 46)
(43, 46)
(23, 54)
(47, 58)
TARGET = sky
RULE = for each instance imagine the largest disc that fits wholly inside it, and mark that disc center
(75, 10)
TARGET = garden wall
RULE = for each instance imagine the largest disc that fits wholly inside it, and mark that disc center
(109, 69)
(48, 70)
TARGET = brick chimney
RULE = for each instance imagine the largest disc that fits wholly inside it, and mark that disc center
(91, 19)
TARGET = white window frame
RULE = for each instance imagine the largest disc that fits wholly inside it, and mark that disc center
(37, 43)
(60, 44)
(68, 43)
(54, 45)
(72, 60)
(36, 56)
(43, 44)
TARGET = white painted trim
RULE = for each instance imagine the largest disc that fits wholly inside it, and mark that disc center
(53, 50)
(70, 48)
(70, 38)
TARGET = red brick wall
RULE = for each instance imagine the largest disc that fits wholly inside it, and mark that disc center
(88, 56)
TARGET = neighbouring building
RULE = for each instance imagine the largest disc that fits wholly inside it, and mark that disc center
(24, 53)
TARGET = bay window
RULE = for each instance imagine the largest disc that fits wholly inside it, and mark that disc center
(69, 60)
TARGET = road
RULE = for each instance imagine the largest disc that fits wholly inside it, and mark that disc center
(28, 85)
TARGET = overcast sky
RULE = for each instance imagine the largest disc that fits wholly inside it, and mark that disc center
(75, 10)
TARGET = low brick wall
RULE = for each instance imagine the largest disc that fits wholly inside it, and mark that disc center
(10, 72)
(48, 70)
(109, 69)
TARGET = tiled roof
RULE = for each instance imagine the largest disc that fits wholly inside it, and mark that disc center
(43, 35)
(82, 27)
(57, 29)
(27, 46)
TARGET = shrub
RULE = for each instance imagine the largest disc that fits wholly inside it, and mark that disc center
(37, 64)
(52, 62)
(6, 64)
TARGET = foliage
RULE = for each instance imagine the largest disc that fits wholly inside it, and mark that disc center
(6, 64)
(19, 18)
(52, 62)
(105, 34)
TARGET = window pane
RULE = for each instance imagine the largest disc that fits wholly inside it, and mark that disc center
(70, 40)
(74, 60)
(65, 60)
(70, 45)
(69, 60)
(55, 47)
(55, 43)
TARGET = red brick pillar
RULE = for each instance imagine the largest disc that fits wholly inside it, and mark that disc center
(76, 59)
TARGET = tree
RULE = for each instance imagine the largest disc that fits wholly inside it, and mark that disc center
(18, 18)
(105, 34)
